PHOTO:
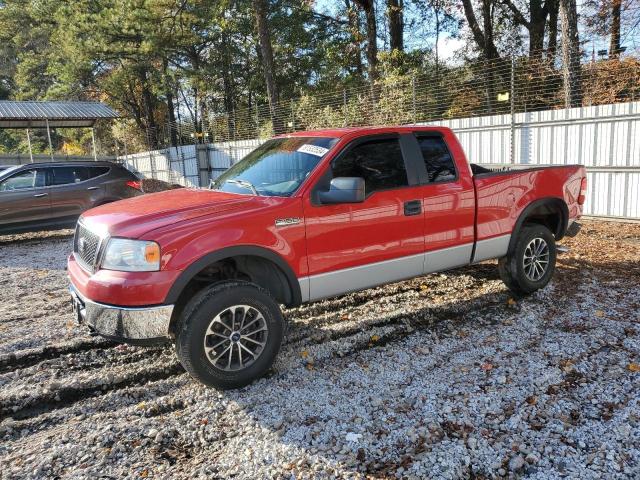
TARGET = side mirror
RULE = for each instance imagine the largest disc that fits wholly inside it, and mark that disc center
(344, 190)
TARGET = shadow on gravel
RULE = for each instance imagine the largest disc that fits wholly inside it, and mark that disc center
(35, 237)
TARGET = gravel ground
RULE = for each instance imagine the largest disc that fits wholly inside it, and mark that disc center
(445, 376)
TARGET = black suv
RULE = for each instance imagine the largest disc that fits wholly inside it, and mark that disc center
(41, 196)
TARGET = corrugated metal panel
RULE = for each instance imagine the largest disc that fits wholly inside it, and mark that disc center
(14, 114)
(598, 136)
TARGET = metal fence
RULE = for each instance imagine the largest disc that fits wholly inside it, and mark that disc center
(605, 138)
(513, 111)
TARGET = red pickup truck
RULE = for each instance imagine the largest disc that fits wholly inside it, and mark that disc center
(303, 217)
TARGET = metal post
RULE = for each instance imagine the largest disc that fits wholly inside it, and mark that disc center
(29, 144)
(257, 120)
(513, 110)
(204, 167)
(344, 107)
(293, 116)
(46, 120)
(413, 96)
(93, 144)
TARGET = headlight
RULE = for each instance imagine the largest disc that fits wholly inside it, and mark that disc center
(131, 255)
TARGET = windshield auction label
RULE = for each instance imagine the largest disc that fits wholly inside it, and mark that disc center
(313, 150)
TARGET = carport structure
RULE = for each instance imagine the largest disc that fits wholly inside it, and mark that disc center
(55, 114)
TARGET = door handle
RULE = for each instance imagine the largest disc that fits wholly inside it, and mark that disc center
(38, 195)
(412, 207)
(92, 188)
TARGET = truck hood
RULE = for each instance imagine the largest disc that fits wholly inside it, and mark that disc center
(136, 216)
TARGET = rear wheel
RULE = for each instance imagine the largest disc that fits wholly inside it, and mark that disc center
(229, 334)
(532, 262)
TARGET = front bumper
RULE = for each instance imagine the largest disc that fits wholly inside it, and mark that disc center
(135, 325)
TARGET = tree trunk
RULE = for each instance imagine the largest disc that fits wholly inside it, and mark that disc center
(171, 117)
(148, 102)
(171, 111)
(536, 28)
(552, 46)
(228, 85)
(571, 54)
(372, 37)
(396, 27)
(354, 26)
(484, 39)
(266, 53)
(614, 47)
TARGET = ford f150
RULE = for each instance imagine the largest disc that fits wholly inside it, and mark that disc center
(303, 217)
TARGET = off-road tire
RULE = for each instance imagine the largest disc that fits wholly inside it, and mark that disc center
(196, 318)
(512, 267)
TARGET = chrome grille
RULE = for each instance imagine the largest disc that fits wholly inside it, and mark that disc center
(86, 246)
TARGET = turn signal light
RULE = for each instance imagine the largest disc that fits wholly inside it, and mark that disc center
(137, 184)
(152, 253)
(583, 191)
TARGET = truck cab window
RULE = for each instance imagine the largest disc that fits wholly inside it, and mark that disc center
(437, 159)
(379, 162)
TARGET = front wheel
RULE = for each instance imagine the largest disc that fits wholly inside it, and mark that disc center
(530, 266)
(229, 334)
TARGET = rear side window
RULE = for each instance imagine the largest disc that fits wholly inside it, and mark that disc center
(437, 159)
(379, 162)
(97, 171)
(68, 175)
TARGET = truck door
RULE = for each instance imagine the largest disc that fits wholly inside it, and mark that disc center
(351, 246)
(449, 203)
(24, 199)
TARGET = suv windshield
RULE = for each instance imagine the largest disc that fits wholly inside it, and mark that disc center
(276, 168)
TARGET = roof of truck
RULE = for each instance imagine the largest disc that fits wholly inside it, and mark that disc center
(341, 132)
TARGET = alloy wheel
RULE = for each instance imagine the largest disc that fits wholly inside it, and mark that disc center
(235, 338)
(536, 259)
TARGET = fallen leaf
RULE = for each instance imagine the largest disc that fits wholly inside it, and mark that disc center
(144, 473)
(486, 366)
(633, 367)
(204, 421)
(599, 313)
(304, 354)
(511, 302)
(566, 365)
(532, 400)
(141, 406)
(423, 287)
(375, 338)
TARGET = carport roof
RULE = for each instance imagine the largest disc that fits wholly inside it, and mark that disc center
(31, 114)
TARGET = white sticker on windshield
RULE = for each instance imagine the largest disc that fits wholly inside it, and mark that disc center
(313, 150)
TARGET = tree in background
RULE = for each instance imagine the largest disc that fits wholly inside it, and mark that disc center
(369, 8)
(196, 71)
(266, 57)
(571, 53)
(483, 36)
(396, 24)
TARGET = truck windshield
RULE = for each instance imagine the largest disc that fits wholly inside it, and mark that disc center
(276, 168)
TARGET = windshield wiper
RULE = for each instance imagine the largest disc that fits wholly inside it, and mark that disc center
(245, 184)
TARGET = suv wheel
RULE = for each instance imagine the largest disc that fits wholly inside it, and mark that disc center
(532, 262)
(229, 334)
